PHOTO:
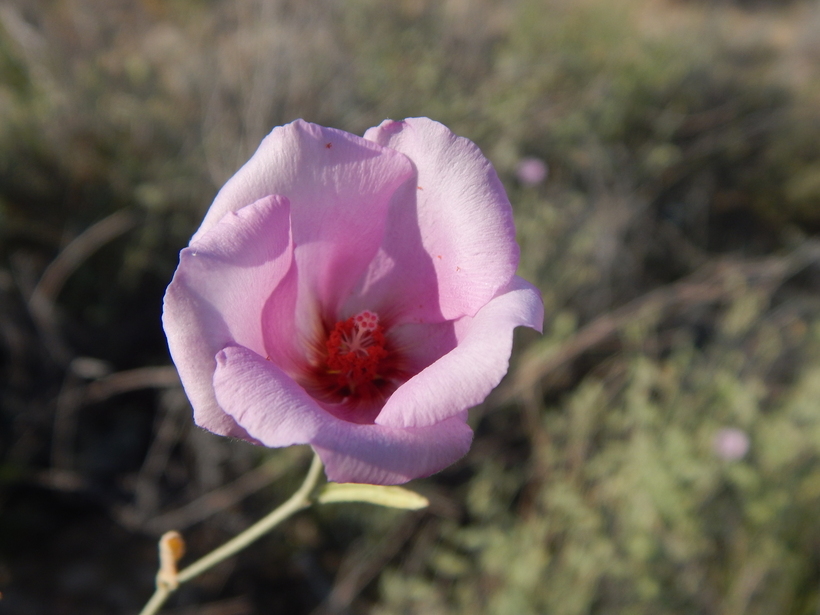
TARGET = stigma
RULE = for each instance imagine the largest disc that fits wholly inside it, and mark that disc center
(355, 351)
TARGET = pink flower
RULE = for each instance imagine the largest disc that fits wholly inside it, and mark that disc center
(730, 443)
(531, 171)
(354, 294)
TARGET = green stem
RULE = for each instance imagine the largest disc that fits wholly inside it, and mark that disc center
(298, 501)
(157, 600)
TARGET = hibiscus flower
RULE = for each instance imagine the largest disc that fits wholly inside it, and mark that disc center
(355, 294)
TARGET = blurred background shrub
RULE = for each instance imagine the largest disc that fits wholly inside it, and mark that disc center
(657, 451)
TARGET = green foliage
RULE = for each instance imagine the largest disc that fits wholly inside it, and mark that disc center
(630, 508)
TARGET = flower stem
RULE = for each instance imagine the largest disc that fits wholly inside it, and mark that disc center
(298, 501)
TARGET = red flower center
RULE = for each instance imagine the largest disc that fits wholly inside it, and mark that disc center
(355, 350)
(356, 369)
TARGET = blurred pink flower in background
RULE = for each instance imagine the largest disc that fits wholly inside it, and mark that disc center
(730, 443)
(531, 171)
(355, 294)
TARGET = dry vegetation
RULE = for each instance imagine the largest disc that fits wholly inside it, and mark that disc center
(674, 242)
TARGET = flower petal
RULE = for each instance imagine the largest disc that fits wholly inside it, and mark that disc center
(217, 296)
(465, 376)
(339, 186)
(264, 400)
(386, 456)
(449, 244)
(420, 344)
(278, 412)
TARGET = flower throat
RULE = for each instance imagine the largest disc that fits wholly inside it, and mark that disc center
(355, 350)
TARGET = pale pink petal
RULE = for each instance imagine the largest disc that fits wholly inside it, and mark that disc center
(277, 412)
(339, 186)
(465, 376)
(285, 331)
(420, 344)
(264, 400)
(449, 244)
(387, 456)
(217, 296)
